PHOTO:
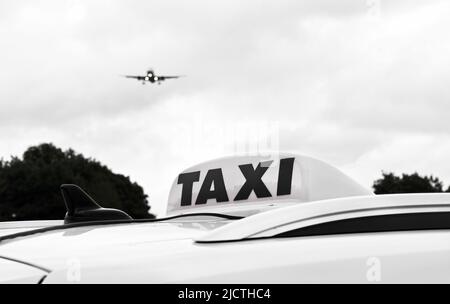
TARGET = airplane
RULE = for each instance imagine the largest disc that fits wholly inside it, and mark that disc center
(152, 77)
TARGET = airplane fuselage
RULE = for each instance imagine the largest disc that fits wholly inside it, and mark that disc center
(151, 77)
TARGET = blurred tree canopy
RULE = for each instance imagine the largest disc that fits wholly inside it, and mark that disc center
(407, 183)
(29, 187)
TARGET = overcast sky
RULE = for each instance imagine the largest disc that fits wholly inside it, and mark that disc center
(362, 84)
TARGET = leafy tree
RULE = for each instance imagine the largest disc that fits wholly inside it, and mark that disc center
(407, 183)
(29, 187)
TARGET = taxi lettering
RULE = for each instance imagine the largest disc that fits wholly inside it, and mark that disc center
(213, 186)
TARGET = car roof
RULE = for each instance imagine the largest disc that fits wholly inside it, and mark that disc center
(107, 244)
(99, 241)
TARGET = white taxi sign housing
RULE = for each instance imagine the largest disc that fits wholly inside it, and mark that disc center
(250, 184)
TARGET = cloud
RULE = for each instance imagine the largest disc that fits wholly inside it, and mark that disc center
(405, 153)
(357, 83)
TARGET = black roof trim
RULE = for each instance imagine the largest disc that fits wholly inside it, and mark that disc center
(403, 222)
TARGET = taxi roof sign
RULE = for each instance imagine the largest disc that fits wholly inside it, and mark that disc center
(248, 181)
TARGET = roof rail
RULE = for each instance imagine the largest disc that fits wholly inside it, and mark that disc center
(282, 220)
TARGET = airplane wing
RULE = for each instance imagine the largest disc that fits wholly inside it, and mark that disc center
(135, 77)
(168, 77)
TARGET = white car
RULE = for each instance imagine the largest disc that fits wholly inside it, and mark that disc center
(285, 219)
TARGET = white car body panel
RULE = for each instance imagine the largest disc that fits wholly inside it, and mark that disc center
(168, 253)
(209, 249)
(402, 257)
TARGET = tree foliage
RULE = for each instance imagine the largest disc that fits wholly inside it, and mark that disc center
(29, 186)
(407, 183)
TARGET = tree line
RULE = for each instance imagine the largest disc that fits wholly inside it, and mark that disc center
(29, 185)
